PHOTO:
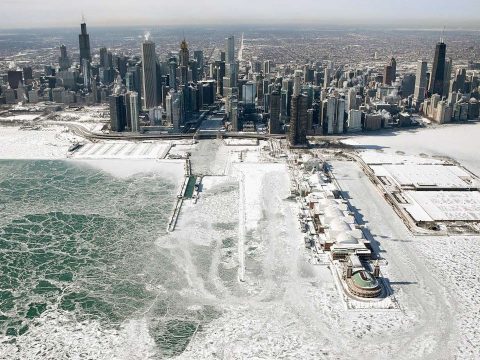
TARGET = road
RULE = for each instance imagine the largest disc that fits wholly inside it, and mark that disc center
(85, 133)
(422, 297)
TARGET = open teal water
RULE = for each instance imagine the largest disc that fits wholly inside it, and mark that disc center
(77, 240)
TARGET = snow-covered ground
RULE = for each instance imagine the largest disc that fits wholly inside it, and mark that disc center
(86, 115)
(124, 168)
(426, 274)
(241, 142)
(19, 118)
(287, 307)
(458, 141)
(292, 309)
(50, 142)
(54, 141)
(123, 150)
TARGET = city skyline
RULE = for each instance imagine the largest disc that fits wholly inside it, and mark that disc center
(56, 13)
(203, 179)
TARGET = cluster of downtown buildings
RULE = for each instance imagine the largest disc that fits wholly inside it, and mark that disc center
(316, 98)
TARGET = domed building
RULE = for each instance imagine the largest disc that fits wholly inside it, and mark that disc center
(360, 281)
(332, 212)
(346, 243)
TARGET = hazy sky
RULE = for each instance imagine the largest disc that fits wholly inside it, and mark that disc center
(67, 13)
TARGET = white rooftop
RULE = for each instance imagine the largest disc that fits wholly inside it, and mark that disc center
(437, 176)
(377, 158)
(444, 205)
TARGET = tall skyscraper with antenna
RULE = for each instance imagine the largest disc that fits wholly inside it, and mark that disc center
(149, 66)
(437, 76)
(84, 42)
(184, 58)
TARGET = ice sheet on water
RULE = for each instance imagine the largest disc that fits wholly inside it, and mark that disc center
(79, 245)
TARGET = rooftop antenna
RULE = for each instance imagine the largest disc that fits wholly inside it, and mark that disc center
(83, 18)
(442, 39)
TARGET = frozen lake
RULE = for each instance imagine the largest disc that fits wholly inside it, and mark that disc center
(458, 141)
(92, 272)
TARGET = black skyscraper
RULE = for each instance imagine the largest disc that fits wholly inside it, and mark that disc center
(437, 76)
(14, 78)
(274, 123)
(84, 41)
(27, 74)
(298, 121)
(117, 113)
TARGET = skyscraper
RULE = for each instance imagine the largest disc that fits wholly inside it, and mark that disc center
(231, 66)
(333, 116)
(220, 71)
(103, 57)
(231, 71)
(86, 73)
(174, 108)
(149, 66)
(437, 76)
(387, 79)
(351, 99)
(172, 74)
(274, 123)
(27, 74)
(393, 65)
(230, 50)
(84, 41)
(408, 85)
(267, 67)
(133, 79)
(448, 77)
(390, 72)
(117, 113)
(458, 85)
(63, 60)
(420, 81)
(132, 111)
(327, 78)
(184, 57)
(260, 94)
(14, 78)
(299, 115)
(198, 56)
(248, 96)
(233, 113)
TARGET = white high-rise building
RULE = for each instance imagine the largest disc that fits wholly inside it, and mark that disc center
(352, 99)
(420, 81)
(149, 67)
(447, 77)
(173, 109)
(297, 83)
(334, 114)
(354, 120)
(133, 110)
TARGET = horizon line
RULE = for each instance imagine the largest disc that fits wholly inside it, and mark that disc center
(387, 25)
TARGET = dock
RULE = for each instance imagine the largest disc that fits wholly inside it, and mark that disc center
(189, 190)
